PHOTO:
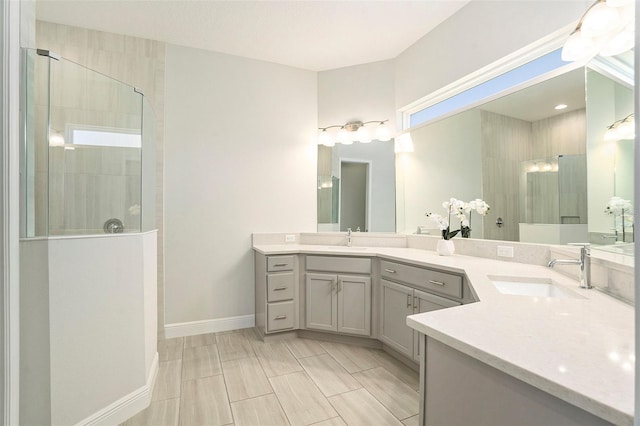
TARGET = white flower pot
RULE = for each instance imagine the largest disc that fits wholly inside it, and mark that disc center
(445, 247)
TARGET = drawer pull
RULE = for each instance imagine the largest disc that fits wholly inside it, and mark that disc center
(415, 303)
(279, 288)
(280, 317)
(277, 265)
(436, 283)
(409, 305)
(391, 271)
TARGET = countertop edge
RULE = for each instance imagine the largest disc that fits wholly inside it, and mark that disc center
(566, 394)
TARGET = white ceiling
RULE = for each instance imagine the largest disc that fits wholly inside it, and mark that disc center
(538, 101)
(314, 35)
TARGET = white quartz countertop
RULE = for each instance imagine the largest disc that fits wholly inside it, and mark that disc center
(580, 350)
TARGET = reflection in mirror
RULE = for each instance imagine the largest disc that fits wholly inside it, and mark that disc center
(356, 187)
(522, 153)
(610, 161)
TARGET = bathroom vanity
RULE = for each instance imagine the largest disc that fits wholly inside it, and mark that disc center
(486, 356)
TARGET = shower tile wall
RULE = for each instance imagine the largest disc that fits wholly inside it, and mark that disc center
(135, 61)
(506, 142)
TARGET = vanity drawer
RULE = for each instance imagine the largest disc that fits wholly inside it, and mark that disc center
(439, 282)
(279, 263)
(349, 265)
(280, 286)
(280, 316)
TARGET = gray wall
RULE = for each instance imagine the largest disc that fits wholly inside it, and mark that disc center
(240, 157)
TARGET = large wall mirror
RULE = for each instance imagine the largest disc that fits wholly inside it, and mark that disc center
(539, 156)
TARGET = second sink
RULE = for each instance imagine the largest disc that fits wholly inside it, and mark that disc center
(532, 287)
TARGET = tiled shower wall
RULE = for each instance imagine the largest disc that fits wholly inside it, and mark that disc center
(506, 142)
(135, 61)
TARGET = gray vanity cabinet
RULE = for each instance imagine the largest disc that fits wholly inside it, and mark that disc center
(398, 302)
(338, 294)
(322, 302)
(408, 290)
(340, 303)
(276, 293)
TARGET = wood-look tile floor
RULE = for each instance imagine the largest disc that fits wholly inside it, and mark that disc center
(233, 378)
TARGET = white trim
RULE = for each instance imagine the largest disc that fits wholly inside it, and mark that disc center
(613, 68)
(127, 406)
(193, 328)
(9, 217)
(520, 57)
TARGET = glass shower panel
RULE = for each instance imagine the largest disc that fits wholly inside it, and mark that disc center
(554, 190)
(95, 144)
(34, 151)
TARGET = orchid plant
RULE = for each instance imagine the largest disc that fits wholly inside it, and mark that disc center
(624, 209)
(477, 205)
(459, 209)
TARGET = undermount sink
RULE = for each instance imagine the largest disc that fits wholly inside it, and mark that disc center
(532, 287)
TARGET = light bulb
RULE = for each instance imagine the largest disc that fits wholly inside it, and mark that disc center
(546, 167)
(362, 135)
(618, 3)
(600, 20)
(578, 47)
(349, 138)
(342, 136)
(611, 134)
(324, 138)
(627, 129)
(383, 133)
(403, 143)
(619, 43)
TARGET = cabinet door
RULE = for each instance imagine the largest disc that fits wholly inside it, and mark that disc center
(397, 304)
(426, 302)
(354, 305)
(322, 302)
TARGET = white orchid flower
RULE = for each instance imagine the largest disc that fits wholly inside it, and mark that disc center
(441, 221)
(616, 205)
(462, 218)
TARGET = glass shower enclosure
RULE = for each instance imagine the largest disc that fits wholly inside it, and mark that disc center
(88, 159)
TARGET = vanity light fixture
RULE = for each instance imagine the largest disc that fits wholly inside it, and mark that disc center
(606, 28)
(354, 131)
(621, 129)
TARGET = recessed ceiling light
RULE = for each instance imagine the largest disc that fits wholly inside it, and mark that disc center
(560, 106)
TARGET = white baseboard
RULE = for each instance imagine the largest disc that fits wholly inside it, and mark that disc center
(193, 328)
(128, 405)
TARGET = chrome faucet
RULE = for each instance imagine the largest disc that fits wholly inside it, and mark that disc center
(584, 262)
(348, 237)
